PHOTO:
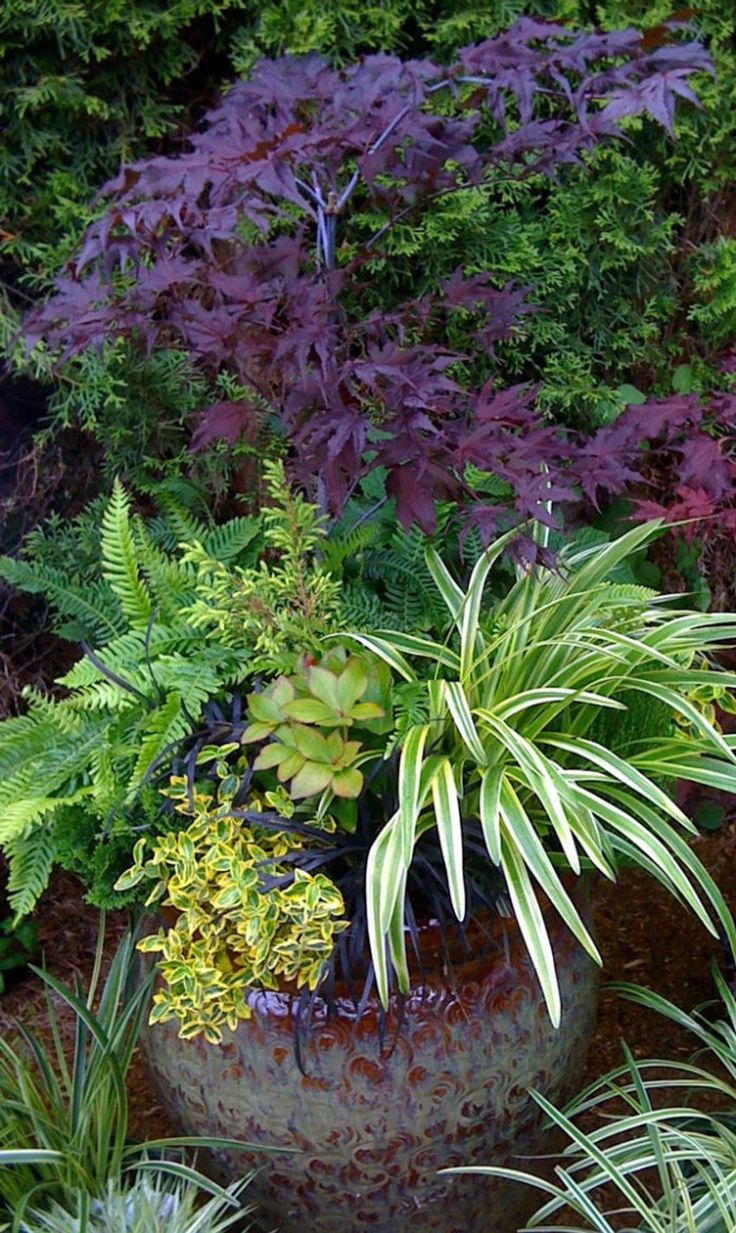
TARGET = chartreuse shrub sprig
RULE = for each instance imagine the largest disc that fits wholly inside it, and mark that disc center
(286, 602)
(244, 918)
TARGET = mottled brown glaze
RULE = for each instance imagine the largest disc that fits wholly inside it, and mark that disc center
(372, 1126)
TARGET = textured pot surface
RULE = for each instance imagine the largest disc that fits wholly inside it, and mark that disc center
(374, 1125)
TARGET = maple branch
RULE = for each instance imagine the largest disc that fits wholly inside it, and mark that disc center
(314, 193)
(368, 514)
(354, 180)
(322, 239)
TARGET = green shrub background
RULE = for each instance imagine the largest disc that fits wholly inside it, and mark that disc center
(630, 257)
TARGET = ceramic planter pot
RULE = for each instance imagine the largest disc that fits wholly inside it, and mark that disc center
(373, 1123)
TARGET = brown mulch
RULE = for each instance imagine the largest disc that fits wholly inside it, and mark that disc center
(645, 938)
(648, 939)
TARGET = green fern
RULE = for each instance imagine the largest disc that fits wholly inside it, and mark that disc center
(382, 568)
(94, 613)
(119, 561)
(362, 610)
(348, 546)
(167, 725)
(410, 708)
(176, 523)
(171, 584)
(30, 857)
(630, 593)
(403, 582)
(85, 752)
(237, 540)
(21, 815)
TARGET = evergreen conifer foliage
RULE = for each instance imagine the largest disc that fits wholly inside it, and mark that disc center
(239, 251)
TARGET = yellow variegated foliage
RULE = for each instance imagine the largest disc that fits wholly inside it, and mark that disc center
(245, 919)
(708, 698)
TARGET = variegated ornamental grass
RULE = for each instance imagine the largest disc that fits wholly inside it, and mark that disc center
(512, 703)
(663, 1155)
(64, 1119)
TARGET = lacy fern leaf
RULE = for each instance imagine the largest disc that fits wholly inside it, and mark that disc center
(119, 561)
(124, 703)
(94, 612)
(30, 859)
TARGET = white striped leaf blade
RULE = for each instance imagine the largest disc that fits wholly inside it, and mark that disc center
(471, 642)
(457, 704)
(490, 814)
(397, 940)
(518, 830)
(541, 776)
(622, 771)
(410, 775)
(533, 929)
(449, 829)
(425, 648)
(383, 881)
(452, 594)
(383, 648)
(643, 838)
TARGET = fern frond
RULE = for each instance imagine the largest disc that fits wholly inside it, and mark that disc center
(103, 773)
(487, 483)
(119, 563)
(30, 859)
(24, 738)
(167, 725)
(130, 699)
(411, 707)
(236, 541)
(52, 764)
(404, 583)
(106, 695)
(16, 817)
(411, 710)
(127, 653)
(96, 611)
(171, 582)
(341, 547)
(628, 593)
(32, 748)
(177, 524)
(361, 610)
(194, 680)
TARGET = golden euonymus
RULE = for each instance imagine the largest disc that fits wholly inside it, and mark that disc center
(244, 919)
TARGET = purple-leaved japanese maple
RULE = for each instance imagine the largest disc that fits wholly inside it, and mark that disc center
(245, 251)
